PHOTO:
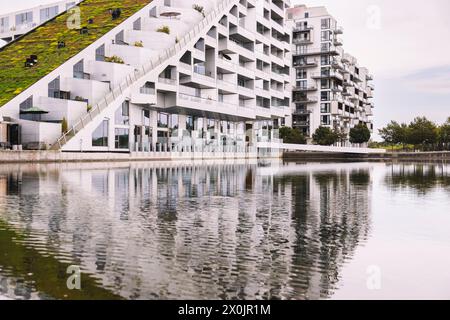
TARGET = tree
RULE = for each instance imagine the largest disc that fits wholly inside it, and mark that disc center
(444, 134)
(64, 125)
(395, 133)
(360, 134)
(292, 136)
(422, 132)
(324, 136)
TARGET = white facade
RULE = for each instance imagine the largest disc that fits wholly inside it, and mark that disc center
(330, 88)
(218, 77)
(15, 24)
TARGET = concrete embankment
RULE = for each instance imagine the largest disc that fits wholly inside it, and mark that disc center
(388, 156)
(57, 156)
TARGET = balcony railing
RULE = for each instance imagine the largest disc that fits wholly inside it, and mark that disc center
(150, 91)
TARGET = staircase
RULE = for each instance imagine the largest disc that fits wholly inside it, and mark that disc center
(141, 72)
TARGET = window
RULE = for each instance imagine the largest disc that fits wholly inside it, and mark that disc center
(4, 24)
(163, 120)
(173, 121)
(325, 47)
(24, 18)
(100, 53)
(325, 96)
(301, 74)
(78, 70)
(100, 135)
(120, 38)
(123, 114)
(48, 13)
(306, 15)
(137, 24)
(325, 36)
(122, 138)
(146, 117)
(302, 84)
(53, 89)
(325, 60)
(325, 120)
(324, 84)
(211, 124)
(325, 23)
(189, 123)
(325, 108)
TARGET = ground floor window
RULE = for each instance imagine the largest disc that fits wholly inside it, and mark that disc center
(122, 138)
(100, 135)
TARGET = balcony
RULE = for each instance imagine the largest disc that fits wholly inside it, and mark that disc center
(326, 75)
(212, 107)
(339, 30)
(305, 100)
(301, 112)
(309, 64)
(337, 89)
(317, 51)
(307, 88)
(301, 41)
(338, 42)
(303, 28)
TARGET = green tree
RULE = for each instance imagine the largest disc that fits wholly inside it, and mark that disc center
(292, 136)
(422, 132)
(444, 135)
(324, 136)
(395, 133)
(360, 134)
(64, 125)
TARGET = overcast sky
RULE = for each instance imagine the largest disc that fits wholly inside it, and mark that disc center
(405, 44)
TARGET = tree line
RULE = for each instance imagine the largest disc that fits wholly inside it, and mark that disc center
(421, 134)
(324, 136)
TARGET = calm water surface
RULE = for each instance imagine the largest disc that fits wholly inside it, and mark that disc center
(226, 231)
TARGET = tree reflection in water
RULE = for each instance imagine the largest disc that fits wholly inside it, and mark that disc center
(422, 178)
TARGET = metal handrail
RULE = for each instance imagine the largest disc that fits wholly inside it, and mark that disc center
(139, 73)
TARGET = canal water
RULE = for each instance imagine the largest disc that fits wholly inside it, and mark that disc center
(225, 230)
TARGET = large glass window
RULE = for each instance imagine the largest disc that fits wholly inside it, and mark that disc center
(24, 18)
(325, 23)
(122, 138)
(78, 70)
(123, 114)
(325, 96)
(100, 135)
(48, 13)
(54, 88)
(325, 120)
(163, 120)
(325, 108)
(173, 121)
(100, 53)
(189, 123)
(146, 117)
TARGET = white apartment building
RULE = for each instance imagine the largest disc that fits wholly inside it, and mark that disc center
(329, 87)
(15, 24)
(175, 74)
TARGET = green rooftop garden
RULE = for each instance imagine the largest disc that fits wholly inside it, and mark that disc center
(44, 42)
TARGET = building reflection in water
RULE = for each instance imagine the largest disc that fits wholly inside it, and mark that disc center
(228, 230)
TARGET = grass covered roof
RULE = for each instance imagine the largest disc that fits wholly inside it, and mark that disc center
(43, 42)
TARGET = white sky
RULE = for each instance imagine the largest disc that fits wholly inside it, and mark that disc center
(407, 49)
